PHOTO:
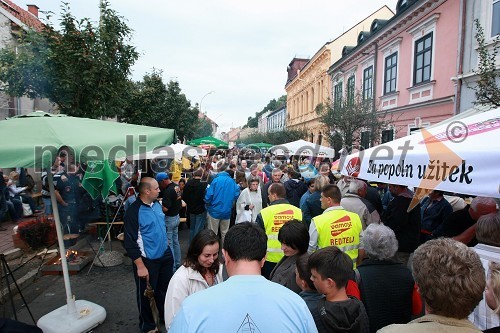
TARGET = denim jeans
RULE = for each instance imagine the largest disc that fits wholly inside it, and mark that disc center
(172, 223)
(64, 213)
(198, 222)
(47, 205)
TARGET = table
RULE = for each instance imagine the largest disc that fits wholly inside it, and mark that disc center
(104, 223)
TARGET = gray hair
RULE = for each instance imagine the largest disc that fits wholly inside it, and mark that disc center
(320, 182)
(379, 241)
(483, 201)
(355, 185)
(276, 171)
(488, 229)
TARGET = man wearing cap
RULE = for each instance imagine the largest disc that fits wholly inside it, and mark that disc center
(146, 244)
(171, 205)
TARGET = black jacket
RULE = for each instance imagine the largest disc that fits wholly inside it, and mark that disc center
(295, 188)
(344, 316)
(193, 195)
(405, 225)
(386, 291)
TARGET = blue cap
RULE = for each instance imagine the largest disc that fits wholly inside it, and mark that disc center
(161, 176)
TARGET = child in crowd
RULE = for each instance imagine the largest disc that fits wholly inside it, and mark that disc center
(330, 271)
(309, 293)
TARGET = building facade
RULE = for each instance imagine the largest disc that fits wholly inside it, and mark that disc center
(308, 82)
(487, 12)
(13, 22)
(262, 122)
(276, 120)
(405, 65)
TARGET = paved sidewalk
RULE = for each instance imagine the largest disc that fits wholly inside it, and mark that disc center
(113, 288)
(6, 242)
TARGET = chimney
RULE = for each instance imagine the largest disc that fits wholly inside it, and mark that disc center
(33, 9)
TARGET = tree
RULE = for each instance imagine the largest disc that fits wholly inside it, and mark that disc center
(276, 138)
(82, 68)
(146, 104)
(487, 90)
(273, 104)
(345, 119)
(152, 103)
(204, 128)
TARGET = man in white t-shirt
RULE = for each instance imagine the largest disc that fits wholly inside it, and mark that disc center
(246, 302)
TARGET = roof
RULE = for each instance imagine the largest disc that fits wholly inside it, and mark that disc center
(22, 15)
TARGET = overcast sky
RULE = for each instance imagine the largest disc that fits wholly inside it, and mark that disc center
(238, 49)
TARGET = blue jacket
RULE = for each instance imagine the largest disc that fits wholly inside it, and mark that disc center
(145, 232)
(220, 195)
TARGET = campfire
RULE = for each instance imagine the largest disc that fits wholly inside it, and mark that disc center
(76, 260)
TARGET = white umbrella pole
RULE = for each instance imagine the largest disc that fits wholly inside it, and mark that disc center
(70, 300)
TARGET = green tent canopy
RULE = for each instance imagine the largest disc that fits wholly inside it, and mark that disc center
(209, 140)
(32, 140)
(259, 145)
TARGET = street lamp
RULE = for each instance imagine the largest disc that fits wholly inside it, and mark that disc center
(208, 93)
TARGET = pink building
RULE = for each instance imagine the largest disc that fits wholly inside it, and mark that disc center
(405, 65)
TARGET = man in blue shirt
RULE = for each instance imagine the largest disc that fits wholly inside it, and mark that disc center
(219, 198)
(146, 244)
(246, 302)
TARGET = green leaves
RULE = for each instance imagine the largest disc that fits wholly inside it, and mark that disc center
(487, 91)
(346, 120)
(82, 68)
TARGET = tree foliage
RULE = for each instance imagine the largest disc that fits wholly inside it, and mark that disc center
(276, 138)
(82, 68)
(152, 103)
(345, 120)
(273, 104)
(487, 90)
(204, 128)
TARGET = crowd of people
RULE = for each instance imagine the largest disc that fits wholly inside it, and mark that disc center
(289, 245)
(272, 250)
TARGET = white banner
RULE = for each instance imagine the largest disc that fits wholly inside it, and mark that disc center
(461, 156)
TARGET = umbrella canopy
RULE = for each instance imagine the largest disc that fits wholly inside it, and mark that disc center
(260, 145)
(176, 150)
(32, 140)
(209, 140)
(303, 148)
(460, 156)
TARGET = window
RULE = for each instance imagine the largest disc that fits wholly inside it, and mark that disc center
(368, 83)
(387, 135)
(423, 59)
(337, 95)
(391, 63)
(495, 19)
(365, 139)
(350, 89)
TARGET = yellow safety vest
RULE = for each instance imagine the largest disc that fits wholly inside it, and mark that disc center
(339, 228)
(274, 217)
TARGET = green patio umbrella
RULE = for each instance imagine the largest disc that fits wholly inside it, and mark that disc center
(209, 140)
(33, 140)
(100, 178)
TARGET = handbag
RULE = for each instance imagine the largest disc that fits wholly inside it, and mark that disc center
(27, 210)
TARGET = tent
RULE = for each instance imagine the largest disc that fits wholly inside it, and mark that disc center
(176, 150)
(261, 147)
(209, 141)
(33, 140)
(302, 148)
(460, 156)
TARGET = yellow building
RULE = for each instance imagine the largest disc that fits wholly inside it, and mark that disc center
(309, 83)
